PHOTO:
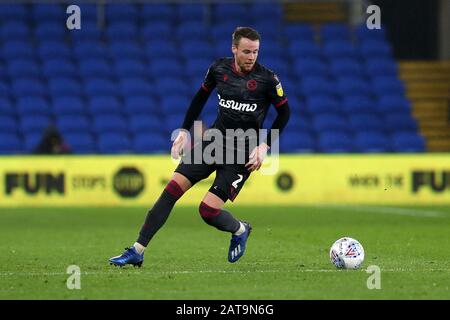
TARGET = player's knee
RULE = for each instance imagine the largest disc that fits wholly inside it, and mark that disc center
(174, 189)
(207, 213)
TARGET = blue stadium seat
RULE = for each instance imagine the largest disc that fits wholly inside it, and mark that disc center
(312, 85)
(54, 50)
(156, 31)
(160, 12)
(197, 66)
(145, 124)
(381, 67)
(124, 50)
(104, 105)
(353, 84)
(73, 123)
(329, 122)
(335, 142)
(371, 142)
(14, 12)
(150, 143)
(175, 104)
(400, 123)
(58, 68)
(23, 68)
(89, 11)
(89, 33)
(47, 31)
(34, 123)
(95, 67)
(197, 48)
(10, 144)
(191, 30)
(363, 33)
(166, 67)
(375, 49)
(109, 123)
(299, 32)
(28, 87)
(322, 104)
(141, 105)
(81, 143)
(100, 86)
(59, 86)
(387, 85)
(135, 86)
(365, 122)
(346, 66)
(8, 124)
(48, 12)
(304, 49)
(130, 68)
(339, 49)
(121, 12)
(173, 122)
(6, 107)
(185, 11)
(334, 31)
(157, 50)
(4, 89)
(310, 66)
(224, 11)
(358, 103)
(17, 49)
(121, 31)
(408, 142)
(11, 30)
(297, 142)
(167, 84)
(33, 105)
(89, 49)
(68, 105)
(393, 104)
(114, 143)
(31, 141)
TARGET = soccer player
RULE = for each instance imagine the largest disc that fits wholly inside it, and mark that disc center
(246, 89)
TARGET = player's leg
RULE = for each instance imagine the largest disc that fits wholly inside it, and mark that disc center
(226, 186)
(157, 216)
(155, 219)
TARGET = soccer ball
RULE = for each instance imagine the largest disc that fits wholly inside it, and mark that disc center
(347, 253)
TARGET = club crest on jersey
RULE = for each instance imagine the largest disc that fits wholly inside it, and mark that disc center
(279, 90)
(252, 84)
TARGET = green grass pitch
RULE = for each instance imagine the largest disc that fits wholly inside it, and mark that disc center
(287, 255)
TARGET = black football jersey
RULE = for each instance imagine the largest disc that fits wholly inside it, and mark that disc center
(244, 98)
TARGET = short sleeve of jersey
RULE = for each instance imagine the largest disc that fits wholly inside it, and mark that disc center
(209, 83)
(276, 93)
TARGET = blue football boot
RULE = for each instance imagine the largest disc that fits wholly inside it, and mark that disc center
(130, 256)
(237, 244)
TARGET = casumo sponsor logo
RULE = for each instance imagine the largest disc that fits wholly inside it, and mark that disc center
(231, 104)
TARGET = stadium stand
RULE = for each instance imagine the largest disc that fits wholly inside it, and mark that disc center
(110, 89)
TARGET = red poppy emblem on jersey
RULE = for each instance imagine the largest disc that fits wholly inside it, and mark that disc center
(225, 77)
(252, 84)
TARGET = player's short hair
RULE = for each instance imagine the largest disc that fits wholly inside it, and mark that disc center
(244, 32)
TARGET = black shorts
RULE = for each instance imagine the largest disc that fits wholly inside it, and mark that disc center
(229, 180)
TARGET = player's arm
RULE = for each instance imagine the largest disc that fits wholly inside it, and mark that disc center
(194, 110)
(279, 100)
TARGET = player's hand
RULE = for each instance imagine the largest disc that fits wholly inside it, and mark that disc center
(257, 157)
(179, 144)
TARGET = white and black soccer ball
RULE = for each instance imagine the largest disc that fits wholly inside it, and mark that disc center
(347, 253)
